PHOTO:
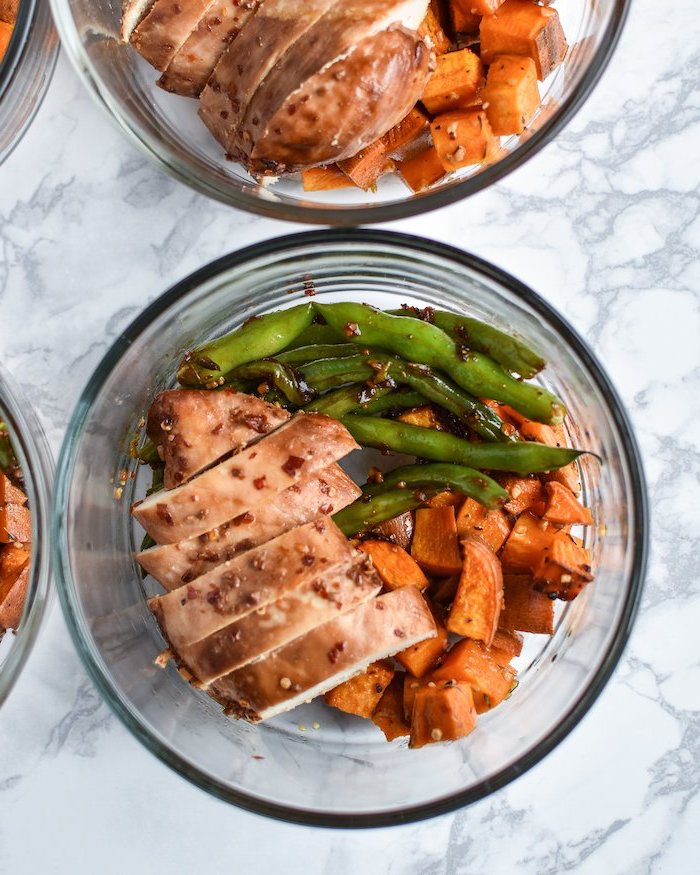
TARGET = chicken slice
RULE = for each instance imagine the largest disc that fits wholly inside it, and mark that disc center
(132, 13)
(165, 28)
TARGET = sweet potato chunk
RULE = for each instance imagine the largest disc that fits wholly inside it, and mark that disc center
(563, 507)
(420, 658)
(446, 499)
(361, 694)
(421, 171)
(482, 7)
(491, 527)
(5, 37)
(457, 82)
(520, 27)
(423, 417)
(463, 19)
(15, 524)
(365, 168)
(12, 605)
(526, 543)
(552, 436)
(325, 179)
(471, 663)
(525, 493)
(444, 590)
(394, 565)
(443, 713)
(479, 598)
(409, 137)
(13, 559)
(565, 568)
(463, 137)
(435, 547)
(526, 610)
(389, 713)
(431, 29)
(506, 645)
(511, 96)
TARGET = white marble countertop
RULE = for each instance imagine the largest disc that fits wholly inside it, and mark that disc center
(606, 225)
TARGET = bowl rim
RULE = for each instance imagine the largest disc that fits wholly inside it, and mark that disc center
(346, 216)
(30, 444)
(360, 238)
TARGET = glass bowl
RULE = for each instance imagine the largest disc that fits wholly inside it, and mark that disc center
(25, 71)
(33, 454)
(167, 128)
(343, 773)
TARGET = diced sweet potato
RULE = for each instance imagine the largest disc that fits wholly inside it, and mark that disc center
(12, 605)
(482, 7)
(471, 663)
(565, 568)
(389, 713)
(520, 27)
(479, 598)
(463, 137)
(325, 179)
(424, 417)
(421, 171)
(443, 713)
(435, 546)
(563, 507)
(552, 436)
(511, 95)
(526, 493)
(409, 137)
(421, 657)
(399, 530)
(13, 559)
(491, 527)
(446, 499)
(394, 565)
(526, 610)
(527, 543)
(5, 37)
(432, 30)
(9, 493)
(361, 694)
(506, 645)
(457, 82)
(443, 591)
(463, 19)
(365, 168)
(15, 524)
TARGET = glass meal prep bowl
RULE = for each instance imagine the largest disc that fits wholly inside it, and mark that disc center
(25, 71)
(343, 773)
(33, 454)
(167, 128)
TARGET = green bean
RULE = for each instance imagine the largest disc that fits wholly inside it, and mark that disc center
(347, 399)
(7, 456)
(509, 351)
(398, 399)
(458, 478)
(366, 512)
(520, 457)
(428, 344)
(331, 373)
(277, 375)
(314, 335)
(258, 338)
(149, 453)
(302, 355)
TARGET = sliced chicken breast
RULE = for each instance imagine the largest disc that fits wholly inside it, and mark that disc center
(132, 13)
(233, 489)
(191, 67)
(165, 28)
(317, 495)
(269, 628)
(250, 581)
(330, 654)
(192, 428)
(276, 27)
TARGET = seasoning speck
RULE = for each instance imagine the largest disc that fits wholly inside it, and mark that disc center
(285, 683)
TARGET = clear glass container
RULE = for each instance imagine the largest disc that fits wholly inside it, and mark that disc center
(166, 127)
(25, 71)
(343, 773)
(33, 454)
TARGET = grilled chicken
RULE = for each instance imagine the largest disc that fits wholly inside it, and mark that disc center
(166, 27)
(132, 13)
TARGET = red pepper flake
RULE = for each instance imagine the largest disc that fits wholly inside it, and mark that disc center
(244, 519)
(308, 559)
(379, 606)
(326, 508)
(256, 421)
(237, 473)
(192, 593)
(351, 329)
(292, 465)
(335, 651)
(214, 596)
(399, 633)
(187, 576)
(164, 514)
(259, 482)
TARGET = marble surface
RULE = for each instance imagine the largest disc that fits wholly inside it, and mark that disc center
(606, 225)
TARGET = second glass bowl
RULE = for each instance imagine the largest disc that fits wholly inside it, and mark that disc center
(343, 773)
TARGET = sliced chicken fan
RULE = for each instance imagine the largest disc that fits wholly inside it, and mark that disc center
(165, 28)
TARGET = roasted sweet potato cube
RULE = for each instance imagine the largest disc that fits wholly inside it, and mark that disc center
(409, 137)
(9, 493)
(389, 713)
(525, 609)
(491, 527)
(446, 499)
(471, 663)
(423, 417)
(443, 591)
(481, 7)
(421, 171)
(394, 565)
(479, 597)
(325, 179)
(13, 559)
(432, 30)
(12, 604)
(565, 568)
(365, 168)
(526, 493)
(435, 546)
(444, 713)
(457, 82)
(463, 19)
(463, 137)
(5, 37)
(563, 507)
(520, 27)
(421, 657)
(506, 645)
(526, 544)
(552, 436)
(361, 694)
(15, 524)
(511, 95)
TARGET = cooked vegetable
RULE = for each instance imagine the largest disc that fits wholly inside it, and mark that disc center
(526, 610)
(491, 527)
(394, 565)
(463, 19)
(409, 137)
(432, 347)
(423, 417)
(444, 713)
(435, 546)
(511, 95)
(365, 168)
(564, 569)
(463, 137)
(326, 178)
(257, 338)
(361, 694)
(350, 398)
(5, 37)
(421, 171)
(396, 399)
(479, 597)
(457, 82)
(506, 645)
(459, 478)
(388, 715)
(563, 507)
(520, 27)
(370, 510)
(431, 28)
(304, 355)
(525, 493)
(420, 658)
(469, 662)
(521, 457)
(526, 544)
(277, 375)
